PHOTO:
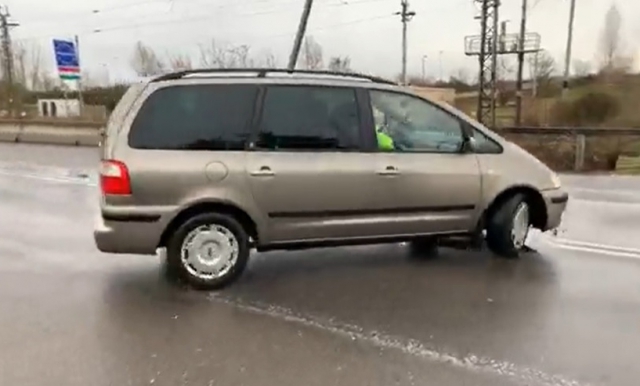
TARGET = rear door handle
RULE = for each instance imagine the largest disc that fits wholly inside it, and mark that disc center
(264, 171)
(389, 171)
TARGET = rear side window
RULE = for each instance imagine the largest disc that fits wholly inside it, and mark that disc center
(199, 117)
(309, 117)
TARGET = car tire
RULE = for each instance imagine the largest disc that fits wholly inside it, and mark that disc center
(424, 248)
(506, 230)
(208, 251)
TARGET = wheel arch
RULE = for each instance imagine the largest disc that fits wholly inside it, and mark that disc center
(222, 207)
(533, 198)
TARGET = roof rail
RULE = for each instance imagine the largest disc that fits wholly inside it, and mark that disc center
(262, 73)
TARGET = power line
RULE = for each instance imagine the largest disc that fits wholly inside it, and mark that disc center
(100, 11)
(158, 23)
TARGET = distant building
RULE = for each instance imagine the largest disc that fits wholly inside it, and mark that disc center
(60, 108)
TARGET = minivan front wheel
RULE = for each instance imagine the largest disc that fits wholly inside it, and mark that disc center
(208, 251)
(508, 227)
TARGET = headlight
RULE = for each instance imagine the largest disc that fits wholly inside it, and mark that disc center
(555, 180)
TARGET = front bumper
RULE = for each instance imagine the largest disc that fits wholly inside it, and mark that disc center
(556, 202)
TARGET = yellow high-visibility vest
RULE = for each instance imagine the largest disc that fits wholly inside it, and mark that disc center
(385, 142)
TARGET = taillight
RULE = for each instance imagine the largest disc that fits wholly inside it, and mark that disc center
(114, 178)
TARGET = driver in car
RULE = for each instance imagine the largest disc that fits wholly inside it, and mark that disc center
(385, 142)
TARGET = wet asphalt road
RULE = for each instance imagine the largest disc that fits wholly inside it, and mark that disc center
(568, 314)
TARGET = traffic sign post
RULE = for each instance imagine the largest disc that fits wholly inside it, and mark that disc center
(68, 62)
(67, 59)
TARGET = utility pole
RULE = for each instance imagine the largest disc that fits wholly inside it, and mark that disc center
(440, 66)
(523, 30)
(567, 59)
(406, 17)
(7, 54)
(424, 72)
(302, 28)
(535, 75)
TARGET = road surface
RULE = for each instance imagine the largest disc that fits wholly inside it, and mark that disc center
(568, 314)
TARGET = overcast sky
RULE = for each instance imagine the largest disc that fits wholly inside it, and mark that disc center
(366, 30)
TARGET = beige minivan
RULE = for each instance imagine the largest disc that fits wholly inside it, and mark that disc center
(210, 164)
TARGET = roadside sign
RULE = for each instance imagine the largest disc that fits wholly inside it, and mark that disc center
(67, 59)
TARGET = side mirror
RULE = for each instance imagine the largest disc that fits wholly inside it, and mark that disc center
(469, 145)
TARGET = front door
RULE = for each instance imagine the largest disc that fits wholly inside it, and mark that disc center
(306, 170)
(432, 184)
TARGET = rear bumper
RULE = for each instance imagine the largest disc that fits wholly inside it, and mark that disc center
(127, 236)
(556, 201)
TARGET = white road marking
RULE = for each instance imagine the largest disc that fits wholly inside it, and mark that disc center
(602, 249)
(586, 244)
(619, 192)
(599, 251)
(407, 346)
(604, 202)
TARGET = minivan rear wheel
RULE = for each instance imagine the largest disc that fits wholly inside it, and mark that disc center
(209, 251)
(508, 227)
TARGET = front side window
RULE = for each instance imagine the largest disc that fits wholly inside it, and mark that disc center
(198, 117)
(307, 117)
(405, 123)
(484, 144)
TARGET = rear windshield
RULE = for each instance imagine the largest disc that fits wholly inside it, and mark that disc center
(195, 117)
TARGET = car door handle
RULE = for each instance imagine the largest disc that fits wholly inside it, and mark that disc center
(389, 171)
(264, 171)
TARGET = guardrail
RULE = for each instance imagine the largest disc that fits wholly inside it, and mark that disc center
(56, 132)
(562, 148)
(603, 142)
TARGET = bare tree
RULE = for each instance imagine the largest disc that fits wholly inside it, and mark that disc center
(29, 68)
(461, 81)
(145, 61)
(312, 57)
(241, 57)
(180, 62)
(270, 60)
(542, 66)
(581, 68)
(340, 64)
(20, 65)
(610, 43)
(216, 55)
(504, 84)
(461, 76)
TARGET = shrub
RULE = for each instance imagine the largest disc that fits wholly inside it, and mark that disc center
(590, 109)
